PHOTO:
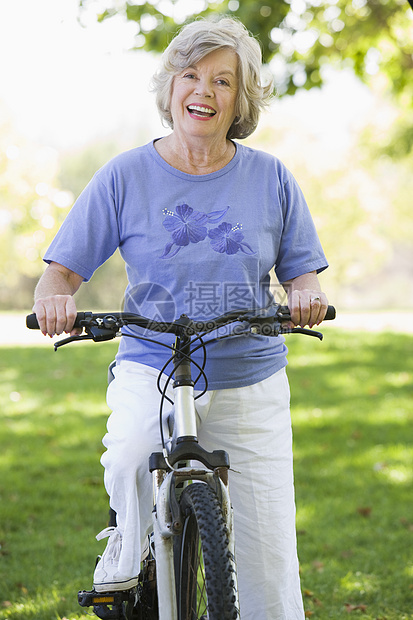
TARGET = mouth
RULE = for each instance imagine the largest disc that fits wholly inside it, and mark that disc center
(200, 111)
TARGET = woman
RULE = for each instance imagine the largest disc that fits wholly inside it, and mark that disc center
(200, 221)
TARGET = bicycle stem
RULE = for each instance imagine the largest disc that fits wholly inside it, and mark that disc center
(185, 414)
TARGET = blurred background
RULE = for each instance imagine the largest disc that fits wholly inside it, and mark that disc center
(75, 91)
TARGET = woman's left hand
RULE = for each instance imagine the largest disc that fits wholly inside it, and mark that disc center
(307, 303)
(307, 307)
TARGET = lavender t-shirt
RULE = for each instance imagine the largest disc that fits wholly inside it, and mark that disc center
(194, 244)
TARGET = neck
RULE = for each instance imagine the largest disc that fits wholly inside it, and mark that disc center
(195, 156)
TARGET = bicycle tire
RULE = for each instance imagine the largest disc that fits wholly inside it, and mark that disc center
(204, 565)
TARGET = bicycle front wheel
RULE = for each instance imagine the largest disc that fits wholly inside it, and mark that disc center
(204, 565)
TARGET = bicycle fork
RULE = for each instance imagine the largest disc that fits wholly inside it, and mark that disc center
(166, 524)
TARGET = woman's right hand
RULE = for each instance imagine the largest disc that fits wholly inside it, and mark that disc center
(54, 305)
(56, 314)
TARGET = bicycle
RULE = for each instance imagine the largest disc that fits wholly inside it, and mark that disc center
(188, 571)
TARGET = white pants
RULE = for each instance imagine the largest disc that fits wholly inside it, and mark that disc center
(253, 425)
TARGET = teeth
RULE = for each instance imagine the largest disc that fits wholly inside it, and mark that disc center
(198, 108)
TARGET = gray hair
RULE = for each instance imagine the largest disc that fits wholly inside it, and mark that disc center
(193, 43)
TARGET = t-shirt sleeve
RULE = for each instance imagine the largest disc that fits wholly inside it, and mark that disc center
(300, 249)
(90, 234)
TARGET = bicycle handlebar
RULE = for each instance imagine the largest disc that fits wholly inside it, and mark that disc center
(119, 319)
(31, 320)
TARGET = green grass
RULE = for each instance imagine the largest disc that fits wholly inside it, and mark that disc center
(352, 404)
(352, 414)
(51, 491)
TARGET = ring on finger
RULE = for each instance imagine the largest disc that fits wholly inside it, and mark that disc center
(316, 298)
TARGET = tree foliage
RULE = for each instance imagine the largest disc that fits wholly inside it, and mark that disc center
(298, 37)
(32, 207)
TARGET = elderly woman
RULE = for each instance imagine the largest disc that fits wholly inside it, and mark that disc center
(200, 221)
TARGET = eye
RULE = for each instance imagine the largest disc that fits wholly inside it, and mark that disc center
(222, 82)
(190, 76)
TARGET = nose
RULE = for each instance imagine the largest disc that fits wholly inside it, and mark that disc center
(204, 88)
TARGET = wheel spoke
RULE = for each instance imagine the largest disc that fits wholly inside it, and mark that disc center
(202, 599)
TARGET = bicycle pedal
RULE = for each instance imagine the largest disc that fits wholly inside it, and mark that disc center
(107, 605)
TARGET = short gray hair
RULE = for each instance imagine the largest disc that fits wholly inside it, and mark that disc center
(193, 43)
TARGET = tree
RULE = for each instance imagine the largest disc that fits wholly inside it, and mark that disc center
(298, 37)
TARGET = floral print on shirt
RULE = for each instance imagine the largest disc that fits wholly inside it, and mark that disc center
(187, 225)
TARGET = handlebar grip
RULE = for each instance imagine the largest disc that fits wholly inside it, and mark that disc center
(330, 314)
(31, 320)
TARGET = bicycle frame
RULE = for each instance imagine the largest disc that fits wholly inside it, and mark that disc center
(166, 518)
(173, 467)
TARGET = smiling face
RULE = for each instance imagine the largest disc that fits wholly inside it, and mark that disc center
(203, 101)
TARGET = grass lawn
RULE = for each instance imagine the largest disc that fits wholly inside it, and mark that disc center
(352, 408)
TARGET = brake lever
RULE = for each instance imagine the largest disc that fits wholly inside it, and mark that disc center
(93, 332)
(301, 330)
(60, 343)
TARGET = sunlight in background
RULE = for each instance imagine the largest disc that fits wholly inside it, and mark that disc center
(71, 90)
(65, 84)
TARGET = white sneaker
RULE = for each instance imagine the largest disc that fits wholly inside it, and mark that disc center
(106, 577)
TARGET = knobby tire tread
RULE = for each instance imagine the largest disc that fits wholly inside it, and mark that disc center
(203, 518)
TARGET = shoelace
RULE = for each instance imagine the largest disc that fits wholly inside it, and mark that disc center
(112, 550)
